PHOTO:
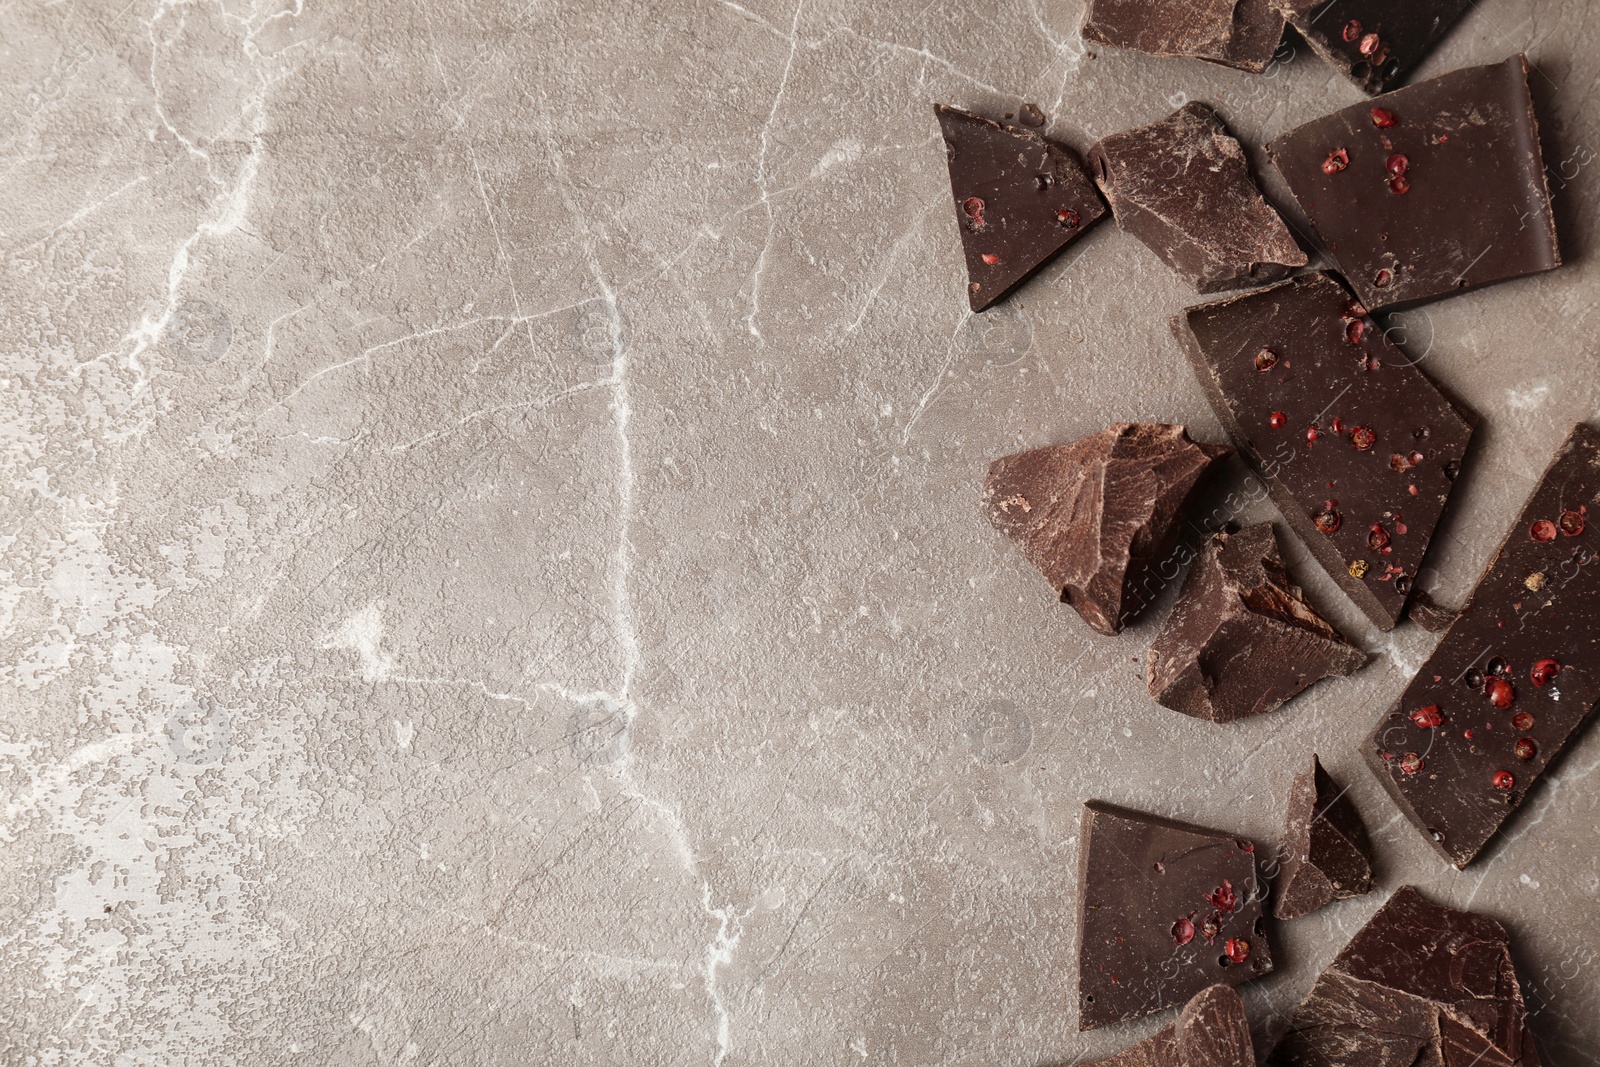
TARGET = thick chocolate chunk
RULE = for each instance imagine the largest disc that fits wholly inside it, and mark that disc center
(1326, 854)
(1242, 640)
(1166, 909)
(1375, 42)
(1430, 190)
(1211, 1031)
(1097, 516)
(1019, 200)
(1235, 33)
(1515, 677)
(1419, 985)
(1356, 446)
(1429, 613)
(1182, 186)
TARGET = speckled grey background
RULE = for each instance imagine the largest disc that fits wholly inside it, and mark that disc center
(492, 566)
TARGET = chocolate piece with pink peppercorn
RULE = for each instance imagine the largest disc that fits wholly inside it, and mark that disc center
(1515, 678)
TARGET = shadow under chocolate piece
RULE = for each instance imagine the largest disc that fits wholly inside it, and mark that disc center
(1183, 188)
(1418, 985)
(1242, 640)
(1096, 515)
(1211, 1031)
(1375, 43)
(1235, 33)
(1166, 909)
(1326, 854)
(1514, 679)
(1357, 447)
(1019, 200)
(1429, 190)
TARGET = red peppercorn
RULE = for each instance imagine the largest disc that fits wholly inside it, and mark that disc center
(1427, 717)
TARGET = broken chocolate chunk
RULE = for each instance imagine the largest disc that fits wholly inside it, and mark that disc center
(1441, 189)
(1429, 614)
(1166, 909)
(1242, 640)
(1235, 33)
(1376, 43)
(1019, 200)
(1418, 985)
(1326, 854)
(1182, 187)
(1356, 446)
(1098, 515)
(1516, 676)
(1211, 1031)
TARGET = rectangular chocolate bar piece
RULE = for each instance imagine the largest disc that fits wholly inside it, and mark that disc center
(1375, 43)
(1356, 446)
(1166, 910)
(1429, 190)
(1515, 677)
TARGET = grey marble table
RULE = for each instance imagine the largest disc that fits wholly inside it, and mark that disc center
(492, 565)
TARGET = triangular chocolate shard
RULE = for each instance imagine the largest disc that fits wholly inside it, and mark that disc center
(1235, 33)
(1211, 1031)
(1326, 854)
(1097, 515)
(1182, 186)
(1242, 640)
(1019, 200)
(1419, 984)
(1166, 909)
(1515, 679)
(1357, 447)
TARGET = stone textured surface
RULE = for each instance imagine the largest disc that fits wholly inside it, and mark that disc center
(493, 571)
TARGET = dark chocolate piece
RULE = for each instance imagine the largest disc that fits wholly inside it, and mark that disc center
(1376, 43)
(1430, 190)
(1096, 515)
(1235, 33)
(1357, 447)
(1019, 200)
(1326, 854)
(1242, 640)
(1166, 909)
(1516, 676)
(1211, 1031)
(1419, 986)
(1182, 187)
